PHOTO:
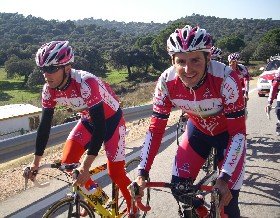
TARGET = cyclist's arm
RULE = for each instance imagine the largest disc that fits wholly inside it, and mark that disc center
(234, 110)
(97, 115)
(161, 109)
(273, 90)
(43, 131)
(247, 82)
(246, 79)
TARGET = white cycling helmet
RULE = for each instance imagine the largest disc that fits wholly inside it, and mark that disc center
(55, 53)
(234, 57)
(189, 39)
(216, 52)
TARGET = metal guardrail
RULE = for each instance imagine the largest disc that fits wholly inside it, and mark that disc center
(21, 145)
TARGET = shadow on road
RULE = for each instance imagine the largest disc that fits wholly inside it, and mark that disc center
(263, 147)
(262, 171)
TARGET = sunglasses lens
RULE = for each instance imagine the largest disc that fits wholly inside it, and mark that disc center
(49, 69)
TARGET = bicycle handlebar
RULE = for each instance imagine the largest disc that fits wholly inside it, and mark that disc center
(57, 165)
(134, 189)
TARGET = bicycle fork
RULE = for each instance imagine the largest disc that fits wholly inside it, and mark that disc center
(215, 200)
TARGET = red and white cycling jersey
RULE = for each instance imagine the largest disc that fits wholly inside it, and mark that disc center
(84, 91)
(243, 76)
(216, 106)
(274, 88)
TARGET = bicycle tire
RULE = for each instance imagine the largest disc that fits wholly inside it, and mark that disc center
(131, 170)
(67, 205)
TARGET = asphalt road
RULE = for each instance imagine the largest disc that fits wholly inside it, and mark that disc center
(259, 196)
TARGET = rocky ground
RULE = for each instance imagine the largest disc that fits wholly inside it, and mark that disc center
(12, 182)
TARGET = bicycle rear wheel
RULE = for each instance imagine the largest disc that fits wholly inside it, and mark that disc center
(67, 207)
(131, 170)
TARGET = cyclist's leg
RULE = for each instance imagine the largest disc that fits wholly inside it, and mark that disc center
(191, 155)
(115, 151)
(75, 144)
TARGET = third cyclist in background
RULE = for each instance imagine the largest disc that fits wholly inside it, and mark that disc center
(243, 74)
(272, 95)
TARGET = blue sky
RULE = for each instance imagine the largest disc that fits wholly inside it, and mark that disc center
(142, 10)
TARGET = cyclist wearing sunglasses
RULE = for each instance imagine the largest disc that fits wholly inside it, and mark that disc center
(101, 122)
(210, 93)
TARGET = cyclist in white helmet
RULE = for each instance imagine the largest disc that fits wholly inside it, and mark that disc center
(210, 93)
(241, 70)
(101, 116)
(216, 53)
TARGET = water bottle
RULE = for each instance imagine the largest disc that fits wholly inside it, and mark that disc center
(94, 191)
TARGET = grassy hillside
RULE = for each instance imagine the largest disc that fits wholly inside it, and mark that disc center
(12, 91)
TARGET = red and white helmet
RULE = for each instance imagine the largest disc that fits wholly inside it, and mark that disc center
(216, 52)
(234, 57)
(55, 53)
(189, 39)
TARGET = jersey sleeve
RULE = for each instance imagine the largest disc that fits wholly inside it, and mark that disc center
(246, 77)
(48, 97)
(161, 109)
(43, 131)
(234, 109)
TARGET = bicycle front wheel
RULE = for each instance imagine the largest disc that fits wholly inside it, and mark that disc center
(67, 207)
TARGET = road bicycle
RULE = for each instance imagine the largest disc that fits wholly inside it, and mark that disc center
(195, 193)
(73, 203)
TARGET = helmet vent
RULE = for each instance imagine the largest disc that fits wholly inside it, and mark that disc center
(52, 57)
(172, 42)
(179, 41)
(198, 40)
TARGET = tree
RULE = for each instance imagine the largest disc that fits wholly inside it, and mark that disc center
(231, 44)
(247, 53)
(269, 45)
(161, 57)
(92, 60)
(34, 79)
(15, 66)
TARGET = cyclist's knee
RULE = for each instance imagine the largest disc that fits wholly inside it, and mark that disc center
(177, 194)
(232, 210)
(72, 152)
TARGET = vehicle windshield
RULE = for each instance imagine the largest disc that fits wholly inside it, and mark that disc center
(273, 65)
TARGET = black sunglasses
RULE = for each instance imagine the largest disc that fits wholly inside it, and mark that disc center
(50, 69)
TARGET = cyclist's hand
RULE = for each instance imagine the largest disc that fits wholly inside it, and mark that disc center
(83, 176)
(30, 172)
(226, 195)
(141, 183)
(268, 108)
(246, 97)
